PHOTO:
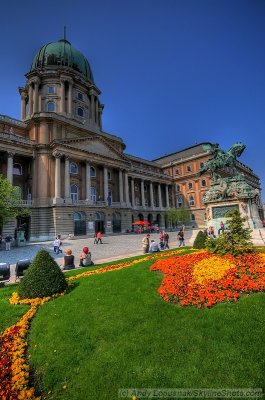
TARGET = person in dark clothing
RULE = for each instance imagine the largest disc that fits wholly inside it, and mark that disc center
(69, 260)
(181, 238)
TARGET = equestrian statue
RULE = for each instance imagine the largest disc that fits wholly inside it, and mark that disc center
(221, 159)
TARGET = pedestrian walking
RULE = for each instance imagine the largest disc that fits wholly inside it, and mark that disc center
(95, 239)
(99, 238)
(166, 240)
(146, 243)
(181, 238)
(8, 240)
(56, 245)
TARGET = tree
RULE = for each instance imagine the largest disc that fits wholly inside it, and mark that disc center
(178, 215)
(10, 202)
(235, 240)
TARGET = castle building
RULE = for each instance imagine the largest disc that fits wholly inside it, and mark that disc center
(75, 178)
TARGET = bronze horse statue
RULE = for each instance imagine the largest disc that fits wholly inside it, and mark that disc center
(222, 159)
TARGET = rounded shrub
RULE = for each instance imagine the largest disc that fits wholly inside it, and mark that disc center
(43, 278)
(199, 242)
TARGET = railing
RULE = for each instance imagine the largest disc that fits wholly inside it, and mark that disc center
(13, 121)
(16, 138)
(26, 203)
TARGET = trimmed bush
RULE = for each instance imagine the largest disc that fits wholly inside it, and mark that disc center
(199, 242)
(43, 278)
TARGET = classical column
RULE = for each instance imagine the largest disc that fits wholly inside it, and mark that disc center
(92, 107)
(57, 189)
(62, 95)
(30, 99)
(133, 194)
(36, 96)
(151, 195)
(96, 111)
(88, 183)
(9, 175)
(120, 186)
(67, 178)
(127, 200)
(142, 193)
(105, 184)
(159, 196)
(23, 106)
(70, 97)
(167, 197)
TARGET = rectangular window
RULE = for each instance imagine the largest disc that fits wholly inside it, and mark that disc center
(51, 89)
(176, 171)
(189, 169)
(80, 96)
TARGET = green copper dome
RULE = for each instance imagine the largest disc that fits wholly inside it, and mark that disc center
(62, 53)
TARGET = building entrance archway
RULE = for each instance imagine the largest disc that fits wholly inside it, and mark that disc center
(79, 223)
(116, 222)
(99, 222)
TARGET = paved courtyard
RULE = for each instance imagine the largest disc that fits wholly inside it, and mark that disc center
(114, 247)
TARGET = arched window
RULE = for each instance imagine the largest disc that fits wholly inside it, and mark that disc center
(179, 201)
(191, 200)
(192, 217)
(80, 96)
(17, 169)
(93, 194)
(80, 112)
(74, 193)
(92, 172)
(73, 168)
(203, 183)
(51, 106)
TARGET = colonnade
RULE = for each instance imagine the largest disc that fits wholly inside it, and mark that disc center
(123, 181)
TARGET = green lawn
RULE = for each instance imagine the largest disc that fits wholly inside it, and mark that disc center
(114, 331)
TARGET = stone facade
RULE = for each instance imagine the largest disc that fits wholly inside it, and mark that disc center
(75, 178)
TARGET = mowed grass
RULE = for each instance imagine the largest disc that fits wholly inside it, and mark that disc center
(9, 314)
(114, 331)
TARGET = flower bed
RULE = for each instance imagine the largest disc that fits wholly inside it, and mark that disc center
(14, 368)
(204, 279)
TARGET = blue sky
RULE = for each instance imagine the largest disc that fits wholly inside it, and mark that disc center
(172, 72)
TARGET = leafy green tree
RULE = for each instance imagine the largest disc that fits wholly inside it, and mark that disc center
(10, 202)
(235, 240)
(178, 215)
(43, 278)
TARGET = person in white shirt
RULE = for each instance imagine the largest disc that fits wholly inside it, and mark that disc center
(153, 247)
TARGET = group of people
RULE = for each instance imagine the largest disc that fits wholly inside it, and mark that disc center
(84, 260)
(69, 259)
(151, 246)
(210, 232)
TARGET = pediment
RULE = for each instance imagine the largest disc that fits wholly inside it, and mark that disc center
(96, 146)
